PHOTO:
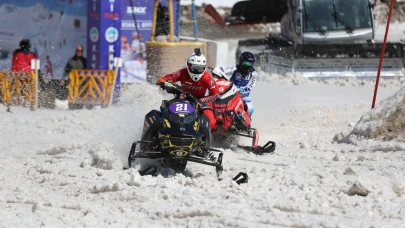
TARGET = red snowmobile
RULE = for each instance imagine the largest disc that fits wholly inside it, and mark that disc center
(231, 115)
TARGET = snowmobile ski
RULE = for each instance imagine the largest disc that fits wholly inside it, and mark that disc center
(242, 180)
(268, 148)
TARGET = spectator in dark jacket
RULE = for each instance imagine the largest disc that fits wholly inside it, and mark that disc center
(76, 62)
(162, 23)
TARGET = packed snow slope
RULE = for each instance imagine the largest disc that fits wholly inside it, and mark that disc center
(386, 122)
(63, 168)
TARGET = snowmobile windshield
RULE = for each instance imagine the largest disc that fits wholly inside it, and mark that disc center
(334, 15)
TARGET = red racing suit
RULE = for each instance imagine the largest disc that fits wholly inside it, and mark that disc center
(229, 101)
(197, 89)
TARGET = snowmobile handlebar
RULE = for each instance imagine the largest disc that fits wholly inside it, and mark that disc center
(170, 87)
(173, 88)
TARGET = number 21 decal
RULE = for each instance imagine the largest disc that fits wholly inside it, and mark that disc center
(181, 107)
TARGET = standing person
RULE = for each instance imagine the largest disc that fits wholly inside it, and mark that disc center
(21, 61)
(162, 24)
(48, 68)
(76, 62)
(138, 47)
(196, 80)
(22, 57)
(244, 75)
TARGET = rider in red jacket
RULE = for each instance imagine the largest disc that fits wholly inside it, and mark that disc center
(196, 80)
(229, 94)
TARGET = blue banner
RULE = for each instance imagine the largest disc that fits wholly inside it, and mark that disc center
(110, 31)
(133, 49)
(103, 27)
(93, 40)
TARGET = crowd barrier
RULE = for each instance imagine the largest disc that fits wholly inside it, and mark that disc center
(86, 87)
(18, 88)
(91, 87)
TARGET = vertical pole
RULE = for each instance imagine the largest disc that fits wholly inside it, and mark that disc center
(382, 53)
(153, 31)
(36, 83)
(178, 11)
(117, 66)
(194, 15)
(171, 14)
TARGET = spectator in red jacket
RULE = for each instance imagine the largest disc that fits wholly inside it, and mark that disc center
(22, 61)
(22, 57)
(196, 80)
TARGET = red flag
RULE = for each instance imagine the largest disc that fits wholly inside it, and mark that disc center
(210, 10)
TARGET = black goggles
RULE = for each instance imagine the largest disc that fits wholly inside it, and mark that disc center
(196, 69)
(246, 65)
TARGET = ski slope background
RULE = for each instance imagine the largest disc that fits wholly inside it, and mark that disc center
(63, 168)
(50, 32)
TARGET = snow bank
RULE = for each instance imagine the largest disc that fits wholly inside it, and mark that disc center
(381, 12)
(385, 122)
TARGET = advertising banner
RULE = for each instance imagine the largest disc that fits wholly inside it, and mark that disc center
(110, 26)
(103, 30)
(133, 49)
(93, 40)
(103, 27)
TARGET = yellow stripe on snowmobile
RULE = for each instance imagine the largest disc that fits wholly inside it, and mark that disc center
(167, 123)
(196, 126)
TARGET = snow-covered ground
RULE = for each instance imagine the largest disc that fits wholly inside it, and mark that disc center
(63, 168)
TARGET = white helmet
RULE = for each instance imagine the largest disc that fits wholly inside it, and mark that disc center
(218, 72)
(196, 64)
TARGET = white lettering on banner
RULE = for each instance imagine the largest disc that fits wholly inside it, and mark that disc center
(142, 25)
(112, 5)
(94, 5)
(94, 48)
(93, 61)
(136, 10)
(111, 57)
